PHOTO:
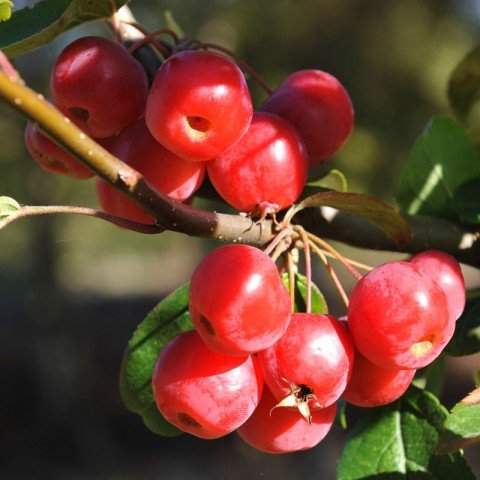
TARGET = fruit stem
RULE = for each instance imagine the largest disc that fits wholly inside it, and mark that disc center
(362, 266)
(337, 255)
(331, 272)
(291, 279)
(277, 239)
(308, 266)
(149, 37)
(242, 63)
(31, 211)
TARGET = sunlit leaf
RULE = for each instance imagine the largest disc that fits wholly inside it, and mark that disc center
(30, 28)
(462, 427)
(442, 159)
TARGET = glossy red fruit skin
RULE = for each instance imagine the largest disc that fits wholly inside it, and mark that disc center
(446, 271)
(163, 170)
(268, 164)
(372, 386)
(199, 105)
(99, 86)
(51, 157)
(317, 351)
(284, 431)
(238, 302)
(202, 392)
(392, 309)
(319, 107)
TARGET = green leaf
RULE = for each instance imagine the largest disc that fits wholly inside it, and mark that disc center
(363, 206)
(341, 416)
(332, 180)
(466, 339)
(442, 159)
(30, 28)
(319, 305)
(464, 84)
(466, 201)
(7, 207)
(169, 318)
(398, 442)
(5, 10)
(462, 427)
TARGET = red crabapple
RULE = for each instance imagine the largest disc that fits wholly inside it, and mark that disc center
(199, 105)
(52, 157)
(162, 169)
(99, 85)
(371, 385)
(283, 431)
(315, 354)
(203, 392)
(268, 165)
(446, 271)
(238, 302)
(320, 109)
(398, 316)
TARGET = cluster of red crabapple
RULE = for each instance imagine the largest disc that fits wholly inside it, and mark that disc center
(196, 117)
(251, 365)
(275, 376)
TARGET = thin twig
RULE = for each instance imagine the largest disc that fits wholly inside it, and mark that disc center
(337, 255)
(331, 272)
(32, 211)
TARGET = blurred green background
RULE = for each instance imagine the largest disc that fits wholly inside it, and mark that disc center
(73, 289)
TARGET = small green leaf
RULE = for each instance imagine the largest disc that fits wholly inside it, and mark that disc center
(332, 180)
(363, 206)
(30, 28)
(466, 339)
(319, 305)
(341, 416)
(398, 442)
(462, 427)
(442, 159)
(464, 84)
(5, 10)
(7, 207)
(466, 201)
(169, 318)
